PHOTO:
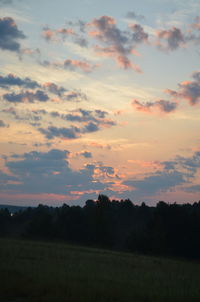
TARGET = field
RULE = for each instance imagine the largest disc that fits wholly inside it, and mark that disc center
(48, 272)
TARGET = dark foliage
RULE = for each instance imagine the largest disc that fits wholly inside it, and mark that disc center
(167, 229)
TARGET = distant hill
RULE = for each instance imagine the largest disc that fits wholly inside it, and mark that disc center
(12, 208)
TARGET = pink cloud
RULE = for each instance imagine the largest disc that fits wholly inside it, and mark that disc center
(161, 106)
(170, 39)
(65, 31)
(196, 24)
(48, 34)
(84, 66)
(188, 90)
(117, 44)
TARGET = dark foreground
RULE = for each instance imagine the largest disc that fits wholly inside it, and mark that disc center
(37, 271)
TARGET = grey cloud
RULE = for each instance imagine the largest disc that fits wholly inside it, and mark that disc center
(101, 113)
(49, 172)
(2, 124)
(97, 117)
(10, 34)
(81, 41)
(159, 182)
(83, 65)
(134, 16)
(170, 39)
(55, 89)
(40, 144)
(188, 90)
(196, 76)
(12, 80)
(76, 96)
(6, 2)
(24, 115)
(69, 133)
(73, 132)
(193, 189)
(26, 96)
(86, 154)
(179, 171)
(139, 34)
(5, 178)
(119, 43)
(90, 127)
(166, 106)
(162, 105)
(80, 24)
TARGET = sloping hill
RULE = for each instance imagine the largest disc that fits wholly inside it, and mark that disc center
(48, 272)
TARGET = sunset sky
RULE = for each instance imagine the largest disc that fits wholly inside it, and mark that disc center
(99, 97)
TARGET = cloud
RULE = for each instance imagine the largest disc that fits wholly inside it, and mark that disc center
(150, 107)
(139, 34)
(81, 41)
(10, 34)
(13, 80)
(65, 32)
(48, 34)
(96, 118)
(90, 119)
(3, 125)
(188, 90)
(160, 181)
(83, 65)
(26, 97)
(118, 44)
(196, 24)
(134, 16)
(174, 38)
(170, 39)
(55, 89)
(85, 154)
(193, 189)
(7, 2)
(90, 127)
(5, 179)
(179, 171)
(50, 172)
(61, 34)
(31, 116)
(80, 24)
(83, 115)
(69, 133)
(73, 132)
(72, 65)
(76, 96)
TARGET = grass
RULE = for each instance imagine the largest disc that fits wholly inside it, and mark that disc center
(47, 272)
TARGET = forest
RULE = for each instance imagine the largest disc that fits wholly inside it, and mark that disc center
(164, 229)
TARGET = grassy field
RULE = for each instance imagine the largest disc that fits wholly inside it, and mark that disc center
(37, 271)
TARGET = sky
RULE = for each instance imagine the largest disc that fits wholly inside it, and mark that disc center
(99, 97)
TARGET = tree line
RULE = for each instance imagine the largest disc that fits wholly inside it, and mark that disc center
(166, 229)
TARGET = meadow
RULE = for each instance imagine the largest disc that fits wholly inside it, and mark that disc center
(35, 271)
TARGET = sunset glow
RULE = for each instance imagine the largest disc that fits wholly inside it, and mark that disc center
(99, 100)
